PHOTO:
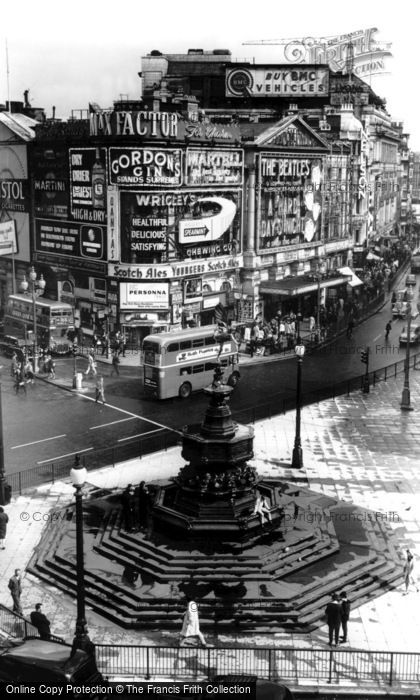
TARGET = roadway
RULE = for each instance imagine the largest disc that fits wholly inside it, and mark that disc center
(50, 422)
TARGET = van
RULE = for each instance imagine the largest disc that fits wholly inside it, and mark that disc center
(43, 661)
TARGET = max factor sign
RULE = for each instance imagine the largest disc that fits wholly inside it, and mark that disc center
(147, 124)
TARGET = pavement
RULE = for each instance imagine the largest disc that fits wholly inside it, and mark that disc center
(360, 448)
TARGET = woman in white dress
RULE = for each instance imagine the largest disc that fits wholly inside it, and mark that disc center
(191, 625)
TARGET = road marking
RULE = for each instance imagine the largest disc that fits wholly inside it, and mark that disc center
(130, 413)
(104, 425)
(36, 442)
(131, 437)
(69, 454)
(377, 338)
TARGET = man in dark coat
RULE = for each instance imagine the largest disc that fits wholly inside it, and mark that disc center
(4, 519)
(41, 622)
(15, 587)
(345, 614)
(333, 613)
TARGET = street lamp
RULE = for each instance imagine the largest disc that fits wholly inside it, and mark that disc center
(81, 637)
(36, 288)
(5, 490)
(321, 270)
(405, 398)
(297, 457)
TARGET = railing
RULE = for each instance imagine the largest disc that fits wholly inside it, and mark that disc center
(293, 666)
(109, 456)
(17, 627)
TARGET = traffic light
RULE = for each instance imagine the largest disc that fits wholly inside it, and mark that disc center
(74, 348)
(364, 356)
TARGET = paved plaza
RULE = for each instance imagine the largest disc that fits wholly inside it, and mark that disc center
(361, 448)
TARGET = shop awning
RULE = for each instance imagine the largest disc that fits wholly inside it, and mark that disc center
(302, 284)
(355, 280)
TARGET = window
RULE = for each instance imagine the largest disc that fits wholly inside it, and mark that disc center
(198, 343)
(185, 370)
(185, 345)
(209, 340)
(172, 347)
(198, 368)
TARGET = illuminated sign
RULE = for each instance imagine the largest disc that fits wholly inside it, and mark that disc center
(14, 195)
(8, 238)
(210, 167)
(145, 166)
(69, 238)
(275, 81)
(88, 184)
(134, 123)
(144, 295)
(289, 201)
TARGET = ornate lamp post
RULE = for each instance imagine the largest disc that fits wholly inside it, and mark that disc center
(405, 398)
(36, 288)
(81, 637)
(297, 457)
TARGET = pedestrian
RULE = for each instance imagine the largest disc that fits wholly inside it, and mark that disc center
(115, 363)
(20, 381)
(15, 365)
(4, 519)
(333, 613)
(350, 326)
(191, 625)
(41, 622)
(408, 572)
(128, 499)
(144, 502)
(15, 587)
(312, 323)
(29, 372)
(91, 364)
(50, 367)
(262, 507)
(105, 343)
(388, 328)
(100, 396)
(345, 614)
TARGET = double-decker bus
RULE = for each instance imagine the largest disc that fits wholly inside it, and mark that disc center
(175, 363)
(54, 320)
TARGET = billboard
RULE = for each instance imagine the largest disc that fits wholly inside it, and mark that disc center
(214, 167)
(88, 185)
(70, 239)
(51, 181)
(183, 224)
(8, 238)
(144, 295)
(277, 81)
(14, 194)
(160, 167)
(289, 200)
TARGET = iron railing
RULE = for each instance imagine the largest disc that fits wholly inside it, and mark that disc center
(293, 666)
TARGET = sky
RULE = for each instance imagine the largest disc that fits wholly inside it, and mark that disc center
(68, 54)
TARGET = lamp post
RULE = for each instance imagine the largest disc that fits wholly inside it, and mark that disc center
(405, 398)
(36, 288)
(321, 269)
(81, 637)
(5, 490)
(297, 457)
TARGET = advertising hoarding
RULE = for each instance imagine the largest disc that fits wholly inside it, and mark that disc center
(289, 200)
(70, 239)
(8, 238)
(51, 181)
(214, 167)
(14, 194)
(144, 295)
(277, 80)
(88, 185)
(160, 167)
(183, 224)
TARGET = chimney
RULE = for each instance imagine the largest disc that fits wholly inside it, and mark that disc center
(53, 112)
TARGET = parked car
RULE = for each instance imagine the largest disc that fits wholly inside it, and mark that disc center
(414, 335)
(400, 305)
(411, 280)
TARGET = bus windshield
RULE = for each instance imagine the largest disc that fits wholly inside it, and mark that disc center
(178, 363)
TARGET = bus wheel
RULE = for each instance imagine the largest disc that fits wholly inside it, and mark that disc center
(184, 390)
(233, 379)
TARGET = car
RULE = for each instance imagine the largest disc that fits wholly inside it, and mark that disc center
(411, 280)
(9, 344)
(415, 262)
(414, 335)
